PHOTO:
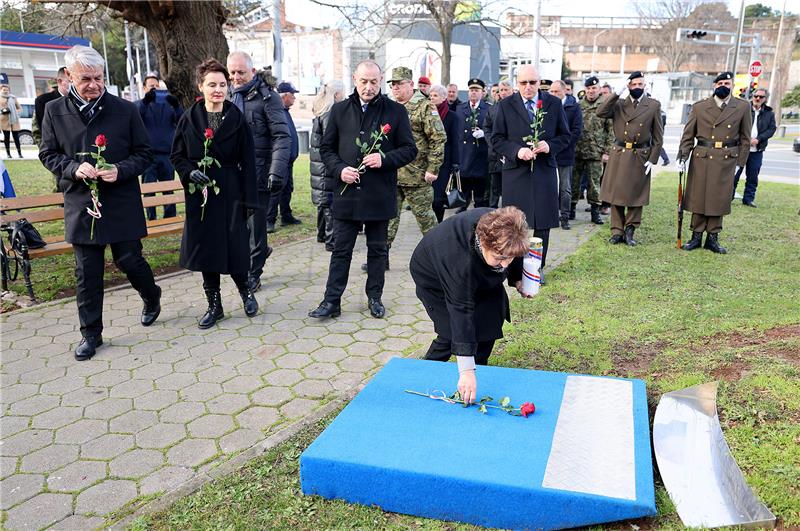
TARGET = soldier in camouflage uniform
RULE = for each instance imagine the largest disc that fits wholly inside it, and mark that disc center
(414, 180)
(593, 146)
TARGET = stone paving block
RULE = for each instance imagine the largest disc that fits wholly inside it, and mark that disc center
(396, 344)
(346, 381)
(298, 407)
(312, 388)
(11, 425)
(56, 330)
(25, 442)
(105, 497)
(63, 385)
(382, 358)
(108, 408)
(152, 371)
(242, 384)
(311, 332)
(240, 439)
(10, 355)
(176, 381)
(182, 412)
(131, 388)
(87, 368)
(217, 374)
(210, 426)
(8, 466)
(293, 360)
(228, 404)
(284, 377)
(333, 339)
(401, 319)
(321, 371)
(257, 417)
(39, 512)
(76, 476)
(230, 358)
(18, 488)
(164, 480)
(77, 522)
(133, 422)
(201, 391)
(220, 337)
(82, 431)
(156, 400)
(398, 331)
(55, 418)
(256, 367)
(32, 343)
(357, 364)
(42, 375)
(195, 363)
(34, 404)
(329, 354)
(107, 446)
(161, 435)
(149, 347)
(191, 452)
(109, 378)
(374, 324)
(303, 345)
(49, 458)
(136, 463)
(278, 338)
(363, 349)
(271, 396)
(244, 344)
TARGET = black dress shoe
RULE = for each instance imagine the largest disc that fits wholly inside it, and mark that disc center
(629, 235)
(326, 309)
(376, 308)
(565, 224)
(290, 221)
(254, 283)
(665, 163)
(616, 238)
(749, 204)
(151, 310)
(541, 277)
(712, 244)
(249, 301)
(87, 347)
(694, 243)
(270, 227)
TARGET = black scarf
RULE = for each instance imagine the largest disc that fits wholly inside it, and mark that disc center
(86, 108)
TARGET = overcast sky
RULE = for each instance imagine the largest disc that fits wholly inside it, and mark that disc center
(307, 13)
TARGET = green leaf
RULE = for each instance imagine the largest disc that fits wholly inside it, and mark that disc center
(486, 398)
(192, 188)
(217, 163)
(455, 396)
(216, 190)
(505, 401)
(483, 409)
(358, 142)
(382, 153)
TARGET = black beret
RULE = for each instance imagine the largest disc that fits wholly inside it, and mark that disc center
(635, 75)
(475, 82)
(723, 76)
(591, 81)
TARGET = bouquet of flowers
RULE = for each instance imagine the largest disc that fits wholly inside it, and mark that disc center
(101, 164)
(366, 148)
(527, 408)
(536, 126)
(206, 162)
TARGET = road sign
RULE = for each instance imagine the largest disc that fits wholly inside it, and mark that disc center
(755, 68)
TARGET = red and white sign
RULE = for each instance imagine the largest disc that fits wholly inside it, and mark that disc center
(755, 68)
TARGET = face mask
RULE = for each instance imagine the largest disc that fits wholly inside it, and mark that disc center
(637, 93)
(722, 92)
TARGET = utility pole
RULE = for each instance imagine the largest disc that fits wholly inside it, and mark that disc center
(146, 52)
(537, 33)
(773, 80)
(277, 54)
(738, 39)
(105, 54)
(129, 64)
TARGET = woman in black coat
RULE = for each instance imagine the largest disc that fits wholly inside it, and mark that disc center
(459, 268)
(438, 97)
(215, 238)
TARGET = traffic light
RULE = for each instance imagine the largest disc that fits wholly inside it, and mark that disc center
(753, 86)
(696, 34)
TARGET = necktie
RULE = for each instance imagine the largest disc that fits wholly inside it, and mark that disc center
(364, 107)
(724, 104)
(635, 103)
(529, 106)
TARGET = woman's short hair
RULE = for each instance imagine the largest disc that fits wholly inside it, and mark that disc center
(208, 66)
(440, 90)
(504, 231)
(84, 56)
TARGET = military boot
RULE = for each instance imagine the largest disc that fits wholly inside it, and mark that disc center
(596, 219)
(572, 211)
(694, 243)
(214, 312)
(629, 235)
(249, 301)
(712, 244)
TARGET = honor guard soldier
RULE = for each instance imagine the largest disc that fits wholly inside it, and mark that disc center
(718, 137)
(474, 149)
(638, 136)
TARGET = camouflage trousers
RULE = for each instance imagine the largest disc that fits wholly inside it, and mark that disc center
(593, 169)
(421, 200)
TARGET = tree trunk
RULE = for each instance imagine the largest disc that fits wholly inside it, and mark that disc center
(184, 33)
(447, 39)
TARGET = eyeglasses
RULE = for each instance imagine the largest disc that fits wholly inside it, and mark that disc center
(758, 97)
(528, 82)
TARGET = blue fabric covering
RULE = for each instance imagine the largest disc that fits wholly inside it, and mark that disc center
(413, 455)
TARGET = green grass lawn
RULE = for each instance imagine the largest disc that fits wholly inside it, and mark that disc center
(54, 276)
(670, 317)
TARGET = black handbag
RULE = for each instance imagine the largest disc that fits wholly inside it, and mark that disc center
(24, 229)
(455, 198)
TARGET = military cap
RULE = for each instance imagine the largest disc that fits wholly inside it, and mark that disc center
(635, 75)
(545, 85)
(723, 76)
(423, 80)
(401, 73)
(475, 82)
(591, 81)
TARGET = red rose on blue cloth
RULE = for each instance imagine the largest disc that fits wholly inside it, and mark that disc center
(527, 409)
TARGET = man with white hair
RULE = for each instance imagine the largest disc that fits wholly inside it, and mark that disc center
(77, 130)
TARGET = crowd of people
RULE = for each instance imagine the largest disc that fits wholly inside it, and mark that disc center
(533, 148)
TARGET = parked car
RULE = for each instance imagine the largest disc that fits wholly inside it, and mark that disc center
(26, 121)
(796, 145)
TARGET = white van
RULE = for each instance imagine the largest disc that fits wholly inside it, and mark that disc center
(26, 121)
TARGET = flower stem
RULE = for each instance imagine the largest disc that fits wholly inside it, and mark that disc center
(454, 401)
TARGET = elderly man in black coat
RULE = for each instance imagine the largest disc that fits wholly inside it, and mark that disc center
(71, 129)
(364, 182)
(530, 181)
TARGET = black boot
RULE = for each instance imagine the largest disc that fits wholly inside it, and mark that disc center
(629, 235)
(616, 238)
(249, 301)
(151, 310)
(596, 219)
(87, 347)
(694, 243)
(712, 244)
(214, 312)
(565, 224)
(572, 211)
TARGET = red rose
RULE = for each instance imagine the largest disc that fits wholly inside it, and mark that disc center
(527, 409)
(538, 106)
(209, 133)
(386, 128)
(100, 141)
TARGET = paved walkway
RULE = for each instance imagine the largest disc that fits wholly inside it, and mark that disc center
(160, 406)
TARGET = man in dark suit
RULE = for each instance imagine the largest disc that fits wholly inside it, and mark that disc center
(566, 158)
(61, 89)
(474, 150)
(71, 125)
(495, 189)
(530, 181)
(364, 184)
(283, 197)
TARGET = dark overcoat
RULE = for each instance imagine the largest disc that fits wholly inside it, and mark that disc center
(452, 156)
(709, 183)
(65, 133)
(375, 197)
(474, 151)
(625, 182)
(220, 242)
(535, 193)
(464, 297)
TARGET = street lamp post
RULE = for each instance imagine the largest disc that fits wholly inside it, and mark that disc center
(594, 46)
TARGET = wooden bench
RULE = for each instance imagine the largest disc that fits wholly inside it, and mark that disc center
(50, 207)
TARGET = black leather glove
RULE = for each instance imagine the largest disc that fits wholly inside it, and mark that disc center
(150, 96)
(172, 100)
(198, 177)
(274, 183)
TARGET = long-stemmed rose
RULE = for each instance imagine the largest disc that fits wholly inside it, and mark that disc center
(206, 162)
(100, 163)
(366, 148)
(536, 126)
(527, 408)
